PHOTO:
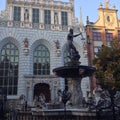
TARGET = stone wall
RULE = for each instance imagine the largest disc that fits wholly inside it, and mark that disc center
(57, 115)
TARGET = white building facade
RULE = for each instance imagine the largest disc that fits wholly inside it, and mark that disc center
(33, 36)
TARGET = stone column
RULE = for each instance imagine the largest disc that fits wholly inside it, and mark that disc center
(52, 92)
(41, 16)
(52, 16)
(74, 86)
(11, 13)
(22, 13)
(62, 83)
(59, 17)
(29, 91)
(69, 19)
(30, 96)
(30, 14)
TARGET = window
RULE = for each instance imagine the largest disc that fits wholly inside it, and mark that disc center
(47, 17)
(9, 60)
(64, 18)
(96, 49)
(35, 15)
(109, 36)
(96, 35)
(41, 61)
(17, 13)
(108, 18)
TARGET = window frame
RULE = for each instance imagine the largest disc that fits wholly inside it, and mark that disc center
(17, 13)
(64, 18)
(47, 17)
(35, 15)
(41, 60)
(109, 36)
(9, 60)
(97, 36)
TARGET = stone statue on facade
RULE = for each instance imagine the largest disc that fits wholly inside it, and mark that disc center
(57, 44)
(26, 15)
(73, 53)
(25, 43)
(23, 102)
(26, 50)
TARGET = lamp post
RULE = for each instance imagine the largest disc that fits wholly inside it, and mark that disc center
(65, 95)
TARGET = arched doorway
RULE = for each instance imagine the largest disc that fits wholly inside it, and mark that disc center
(42, 88)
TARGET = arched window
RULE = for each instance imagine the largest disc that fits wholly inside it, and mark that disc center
(9, 59)
(41, 61)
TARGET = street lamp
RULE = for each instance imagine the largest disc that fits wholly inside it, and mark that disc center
(65, 95)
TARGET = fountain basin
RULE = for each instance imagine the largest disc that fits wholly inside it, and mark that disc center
(76, 71)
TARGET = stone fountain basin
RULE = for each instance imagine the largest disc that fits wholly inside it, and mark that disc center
(76, 71)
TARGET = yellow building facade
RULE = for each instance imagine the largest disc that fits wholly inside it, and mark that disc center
(105, 29)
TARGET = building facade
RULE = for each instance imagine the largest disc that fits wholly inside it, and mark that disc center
(33, 36)
(101, 32)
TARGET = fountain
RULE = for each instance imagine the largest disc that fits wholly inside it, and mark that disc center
(73, 71)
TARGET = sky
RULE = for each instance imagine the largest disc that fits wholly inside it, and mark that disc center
(88, 8)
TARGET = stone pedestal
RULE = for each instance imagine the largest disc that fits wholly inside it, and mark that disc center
(74, 72)
(74, 86)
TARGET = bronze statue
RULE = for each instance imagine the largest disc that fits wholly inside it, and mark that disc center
(73, 53)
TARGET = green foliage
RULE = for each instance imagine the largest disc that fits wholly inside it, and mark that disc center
(107, 62)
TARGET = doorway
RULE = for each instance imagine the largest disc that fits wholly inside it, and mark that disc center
(42, 88)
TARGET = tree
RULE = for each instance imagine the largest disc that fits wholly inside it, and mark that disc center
(107, 62)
